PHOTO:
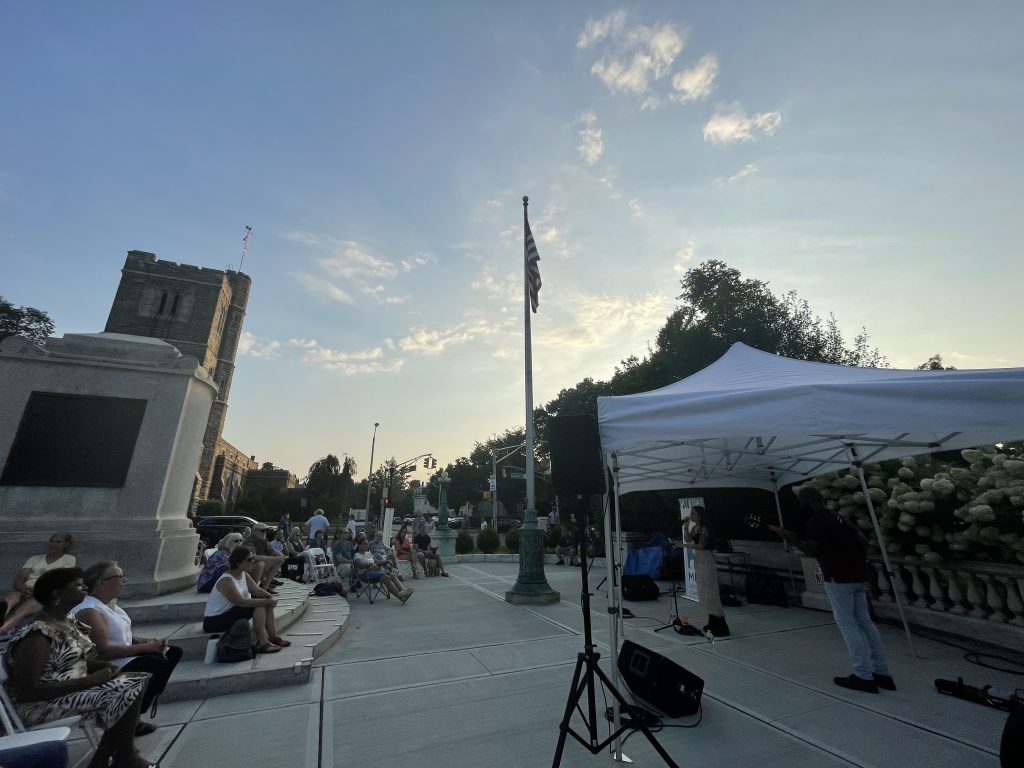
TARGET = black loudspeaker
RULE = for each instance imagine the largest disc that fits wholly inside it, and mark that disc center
(639, 587)
(575, 455)
(659, 681)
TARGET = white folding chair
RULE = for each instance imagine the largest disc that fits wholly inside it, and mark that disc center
(13, 725)
(320, 566)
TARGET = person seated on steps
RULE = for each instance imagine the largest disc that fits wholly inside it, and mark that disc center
(19, 602)
(404, 550)
(430, 554)
(268, 561)
(368, 570)
(237, 596)
(566, 547)
(217, 563)
(295, 561)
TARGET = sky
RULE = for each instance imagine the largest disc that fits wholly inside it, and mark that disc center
(866, 155)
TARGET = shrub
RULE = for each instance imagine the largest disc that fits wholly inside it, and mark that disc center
(488, 542)
(512, 540)
(463, 543)
(210, 508)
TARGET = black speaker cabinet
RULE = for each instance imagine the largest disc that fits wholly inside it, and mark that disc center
(576, 466)
(660, 682)
(639, 587)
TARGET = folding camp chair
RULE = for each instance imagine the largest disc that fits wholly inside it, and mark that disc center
(13, 724)
(367, 582)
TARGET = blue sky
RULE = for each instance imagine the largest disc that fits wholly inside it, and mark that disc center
(867, 155)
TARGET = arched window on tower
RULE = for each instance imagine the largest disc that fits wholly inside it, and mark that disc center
(174, 304)
(163, 303)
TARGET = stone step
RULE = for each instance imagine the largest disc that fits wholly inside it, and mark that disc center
(319, 624)
(188, 634)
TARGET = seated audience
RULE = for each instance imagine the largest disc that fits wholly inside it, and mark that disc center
(422, 542)
(343, 550)
(54, 673)
(268, 562)
(217, 563)
(368, 570)
(238, 596)
(277, 544)
(405, 551)
(19, 601)
(110, 629)
(295, 561)
(382, 553)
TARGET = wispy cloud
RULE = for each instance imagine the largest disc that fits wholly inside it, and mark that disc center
(697, 82)
(636, 56)
(416, 261)
(684, 256)
(382, 295)
(636, 209)
(747, 170)
(421, 341)
(321, 287)
(732, 125)
(351, 260)
(250, 345)
(591, 139)
(348, 363)
(596, 318)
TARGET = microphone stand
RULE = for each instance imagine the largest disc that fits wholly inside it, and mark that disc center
(583, 682)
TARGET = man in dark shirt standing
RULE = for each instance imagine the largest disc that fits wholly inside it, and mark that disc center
(842, 554)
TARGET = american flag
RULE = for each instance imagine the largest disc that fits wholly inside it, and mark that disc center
(532, 268)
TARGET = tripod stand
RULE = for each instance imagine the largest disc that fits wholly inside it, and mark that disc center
(674, 621)
(583, 682)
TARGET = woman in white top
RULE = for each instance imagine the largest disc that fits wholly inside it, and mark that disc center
(110, 629)
(19, 600)
(237, 596)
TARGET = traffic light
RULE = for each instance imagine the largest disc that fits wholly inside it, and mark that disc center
(426, 463)
(433, 463)
(386, 501)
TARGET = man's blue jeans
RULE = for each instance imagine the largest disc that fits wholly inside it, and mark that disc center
(850, 607)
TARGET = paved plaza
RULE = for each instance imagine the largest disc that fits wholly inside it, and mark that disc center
(460, 678)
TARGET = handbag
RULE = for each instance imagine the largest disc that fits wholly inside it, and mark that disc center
(235, 644)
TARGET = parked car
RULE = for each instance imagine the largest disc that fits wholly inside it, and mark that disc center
(213, 529)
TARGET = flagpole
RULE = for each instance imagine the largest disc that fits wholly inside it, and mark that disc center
(531, 584)
(531, 510)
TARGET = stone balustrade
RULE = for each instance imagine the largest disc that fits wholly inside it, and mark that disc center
(968, 598)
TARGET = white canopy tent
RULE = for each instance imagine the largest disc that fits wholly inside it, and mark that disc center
(756, 420)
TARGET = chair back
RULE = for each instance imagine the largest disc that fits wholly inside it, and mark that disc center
(8, 714)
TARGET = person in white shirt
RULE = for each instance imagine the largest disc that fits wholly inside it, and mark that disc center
(368, 570)
(278, 543)
(19, 600)
(351, 526)
(318, 522)
(483, 525)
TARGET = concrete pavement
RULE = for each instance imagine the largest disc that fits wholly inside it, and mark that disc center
(458, 677)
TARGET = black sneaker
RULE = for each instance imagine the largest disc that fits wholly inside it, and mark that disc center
(276, 583)
(855, 683)
(885, 681)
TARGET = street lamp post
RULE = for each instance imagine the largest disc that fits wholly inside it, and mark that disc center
(369, 476)
(389, 474)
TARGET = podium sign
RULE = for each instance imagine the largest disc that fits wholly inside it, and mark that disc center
(689, 562)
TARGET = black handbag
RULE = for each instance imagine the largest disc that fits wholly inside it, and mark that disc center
(235, 644)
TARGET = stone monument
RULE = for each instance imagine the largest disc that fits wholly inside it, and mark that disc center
(100, 435)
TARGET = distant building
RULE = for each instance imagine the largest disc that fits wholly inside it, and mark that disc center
(198, 310)
(264, 479)
(227, 482)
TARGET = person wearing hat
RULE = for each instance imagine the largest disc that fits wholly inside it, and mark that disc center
(318, 522)
(268, 561)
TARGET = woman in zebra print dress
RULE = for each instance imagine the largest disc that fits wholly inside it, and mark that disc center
(54, 673)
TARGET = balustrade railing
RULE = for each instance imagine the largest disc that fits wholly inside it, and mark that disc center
(990, 591)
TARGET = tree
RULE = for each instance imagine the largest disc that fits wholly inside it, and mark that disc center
(329, 485)
(934, 363)
(32, 323)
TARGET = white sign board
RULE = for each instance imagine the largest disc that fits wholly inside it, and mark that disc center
(689, 563)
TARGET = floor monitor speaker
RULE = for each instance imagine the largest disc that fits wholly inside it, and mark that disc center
(576, 466)
(659, 681)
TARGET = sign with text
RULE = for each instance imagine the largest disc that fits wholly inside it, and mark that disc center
(690, 568)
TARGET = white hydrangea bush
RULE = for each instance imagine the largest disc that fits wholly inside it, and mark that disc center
(932, 511)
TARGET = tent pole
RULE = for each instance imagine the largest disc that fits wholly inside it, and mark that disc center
(614, 602)
(785, 544)
(882, 546)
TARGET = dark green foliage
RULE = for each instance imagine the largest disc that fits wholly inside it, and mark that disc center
(29, 322)
(330, 486)
(210, 508)
(463, 543)
(488, 541)
(512, 540)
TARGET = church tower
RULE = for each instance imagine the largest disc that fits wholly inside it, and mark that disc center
(199, 311)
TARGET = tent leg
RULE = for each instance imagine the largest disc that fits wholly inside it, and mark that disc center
(885, 557)
(789, 554)
(611, 560)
